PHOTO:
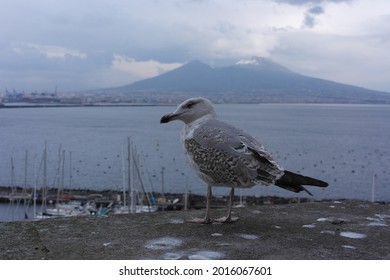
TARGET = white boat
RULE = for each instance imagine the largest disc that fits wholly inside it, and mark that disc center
(138, 209)
(72, 208)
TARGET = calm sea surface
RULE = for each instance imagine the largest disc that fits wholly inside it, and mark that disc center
(345, 145)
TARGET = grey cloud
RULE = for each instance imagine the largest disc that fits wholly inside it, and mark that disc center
(309, 20)
(317, 10)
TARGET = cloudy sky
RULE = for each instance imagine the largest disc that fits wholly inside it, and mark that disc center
(81, 44)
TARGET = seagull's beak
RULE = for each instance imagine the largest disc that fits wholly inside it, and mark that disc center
(169, 117)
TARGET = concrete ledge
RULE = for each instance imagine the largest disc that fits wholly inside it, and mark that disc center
(318, 230)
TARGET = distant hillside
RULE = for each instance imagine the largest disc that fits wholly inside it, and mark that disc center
(249, 80)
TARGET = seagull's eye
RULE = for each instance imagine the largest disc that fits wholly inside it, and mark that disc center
(190, 105)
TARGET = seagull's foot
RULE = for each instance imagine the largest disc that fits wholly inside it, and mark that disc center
(200, 221)
(227, 220)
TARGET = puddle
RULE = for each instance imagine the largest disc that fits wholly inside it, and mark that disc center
(354, 235)
(331, 232)
(377, 224)
(309, 226)
(322, 219)
(172, 256)
(249, 236)
(206, 255)
(176, 221)
(332, 220)
(163, 243)
(349, 247)
(223, 244)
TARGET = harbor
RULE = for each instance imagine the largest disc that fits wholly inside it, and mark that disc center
(60, 203)
(74, 202)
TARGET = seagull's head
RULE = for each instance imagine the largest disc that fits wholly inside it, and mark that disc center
(191, 110)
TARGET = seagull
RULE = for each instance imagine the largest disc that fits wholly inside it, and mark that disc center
(223, 155)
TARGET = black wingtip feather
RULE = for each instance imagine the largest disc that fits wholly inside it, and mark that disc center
(294, 182)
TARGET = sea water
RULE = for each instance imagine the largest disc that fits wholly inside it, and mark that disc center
(345, 145)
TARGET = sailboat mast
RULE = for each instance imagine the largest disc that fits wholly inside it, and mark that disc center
(123, 176)
(25, 183)
(35, 188)
(12, 187)
(44, 177)
(132, 204)
(70, 169)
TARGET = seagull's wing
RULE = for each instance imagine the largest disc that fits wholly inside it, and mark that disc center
(238, 153)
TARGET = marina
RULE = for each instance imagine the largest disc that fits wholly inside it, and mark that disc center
(17, 204)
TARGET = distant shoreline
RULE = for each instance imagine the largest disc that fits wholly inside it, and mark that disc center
(17, 106)
(197, 200)
(125, 104)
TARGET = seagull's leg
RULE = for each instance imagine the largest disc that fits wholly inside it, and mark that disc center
(207, 219)
(228, 218)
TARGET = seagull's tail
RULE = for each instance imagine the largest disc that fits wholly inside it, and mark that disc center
(294, 182)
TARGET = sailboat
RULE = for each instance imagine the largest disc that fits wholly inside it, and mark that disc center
(61, 208)
(132, 206)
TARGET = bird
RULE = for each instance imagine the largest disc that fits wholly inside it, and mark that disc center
(226, 156)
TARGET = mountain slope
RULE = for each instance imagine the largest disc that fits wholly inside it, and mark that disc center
(250, 80)
(190, 76)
